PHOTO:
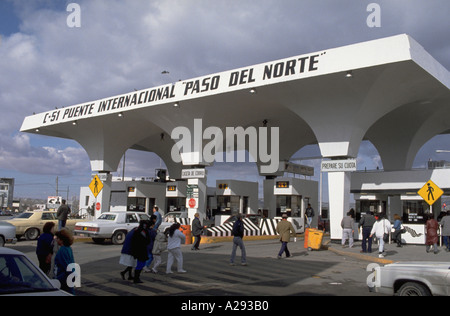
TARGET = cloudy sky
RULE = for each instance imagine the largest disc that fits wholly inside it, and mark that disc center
(125, 45)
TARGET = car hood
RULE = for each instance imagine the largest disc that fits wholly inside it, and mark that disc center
(420, 265)
(6, 224)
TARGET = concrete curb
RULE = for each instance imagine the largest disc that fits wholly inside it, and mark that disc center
(360, 256)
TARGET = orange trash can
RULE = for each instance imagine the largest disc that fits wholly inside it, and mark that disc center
(186, 230)
(315, 238)
(306, 238)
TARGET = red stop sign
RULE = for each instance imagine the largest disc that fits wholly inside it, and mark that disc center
(192, 203)
(98, 206)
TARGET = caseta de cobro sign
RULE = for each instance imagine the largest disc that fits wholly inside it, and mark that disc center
(291, 68)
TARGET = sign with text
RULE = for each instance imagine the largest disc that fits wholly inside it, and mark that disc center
(193, 173)
(347, 165)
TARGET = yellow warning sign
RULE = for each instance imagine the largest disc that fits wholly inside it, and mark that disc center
(430, 192)
(96, 185)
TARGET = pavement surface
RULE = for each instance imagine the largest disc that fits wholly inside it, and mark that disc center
(392, 253)
(331, 271)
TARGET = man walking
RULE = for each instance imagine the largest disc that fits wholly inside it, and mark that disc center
(158, 217)
(197, 230)
(366, 223)
(445, 223)
(238, 233)
(348, 230)
(62, 214)
(309, 213)
(285, 230)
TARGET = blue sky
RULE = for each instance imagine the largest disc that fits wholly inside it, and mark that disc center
(124, 45)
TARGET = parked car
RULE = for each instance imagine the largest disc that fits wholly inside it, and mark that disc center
(413, 279)
(30, 224)
(110, 225)
(21, 277)
(7, 233)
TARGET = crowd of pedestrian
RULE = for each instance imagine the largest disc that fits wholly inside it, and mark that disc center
(54, 250)
(377, 226)
(145, 244)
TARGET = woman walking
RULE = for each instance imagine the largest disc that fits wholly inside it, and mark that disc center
(64, 258)
(432, 227)
(381, 229)
(159, 247)
(126, 258)
(139, 243)
(397, 236)
(176, 237)
(44, 249)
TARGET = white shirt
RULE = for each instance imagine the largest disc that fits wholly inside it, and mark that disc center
(175, 241)
(381, 227)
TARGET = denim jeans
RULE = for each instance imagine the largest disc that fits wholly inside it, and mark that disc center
(237, 242)
(285, 249)
(367, 240)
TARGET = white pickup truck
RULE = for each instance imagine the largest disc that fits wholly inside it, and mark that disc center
(110, 225)
(411, 279)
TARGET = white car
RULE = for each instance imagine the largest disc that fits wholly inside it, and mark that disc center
(413, 279)
(110, 225)
(7, 234)
(20, 277)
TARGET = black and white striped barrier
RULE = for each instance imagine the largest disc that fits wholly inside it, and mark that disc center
(225, 230)
(267, 227)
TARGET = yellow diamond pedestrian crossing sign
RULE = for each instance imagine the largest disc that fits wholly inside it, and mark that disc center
(430, 192)
(96, 185)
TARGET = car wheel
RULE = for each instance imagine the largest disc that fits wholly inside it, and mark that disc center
(2, 241)
(118, 238)
(413, 289)
(32, 234)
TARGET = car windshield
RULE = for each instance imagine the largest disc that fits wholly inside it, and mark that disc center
(108, 217)
(144, 217)
(19, 275)
(25, 215)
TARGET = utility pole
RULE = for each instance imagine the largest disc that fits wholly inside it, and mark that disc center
(57, 186)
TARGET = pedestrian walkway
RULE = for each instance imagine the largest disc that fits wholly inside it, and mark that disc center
(392, 253)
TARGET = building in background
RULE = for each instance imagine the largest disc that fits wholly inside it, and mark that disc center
(6, 193)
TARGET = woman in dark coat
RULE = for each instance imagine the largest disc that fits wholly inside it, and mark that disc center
(139, 243)
(432, 239)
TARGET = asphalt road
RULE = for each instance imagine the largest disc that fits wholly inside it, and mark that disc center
(209, 273)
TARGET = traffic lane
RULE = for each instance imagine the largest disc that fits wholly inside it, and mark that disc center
(209, 272)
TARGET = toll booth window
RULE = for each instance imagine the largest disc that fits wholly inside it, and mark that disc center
(288, 204)
(136, 204)
(414, 212)
(228, 204)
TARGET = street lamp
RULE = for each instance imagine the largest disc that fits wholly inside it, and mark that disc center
(441, 151)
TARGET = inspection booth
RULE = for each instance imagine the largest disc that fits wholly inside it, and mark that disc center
(396, 192)
(234, 196)
(291, 196)
(176, 196)
(365, 203)
(128, 194)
